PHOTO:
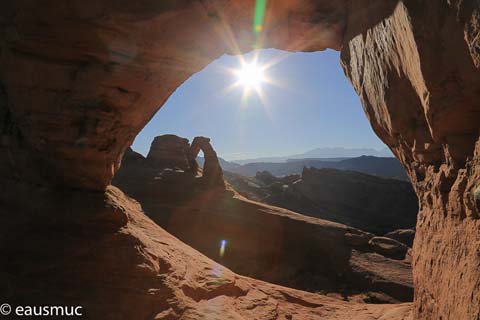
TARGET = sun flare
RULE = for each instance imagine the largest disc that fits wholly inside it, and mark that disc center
(250, 75)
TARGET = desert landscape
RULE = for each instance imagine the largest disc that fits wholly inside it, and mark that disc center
(179, 232)
(264, 242)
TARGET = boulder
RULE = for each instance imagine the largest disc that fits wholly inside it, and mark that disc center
(170, 151)
(358, 239)
(388, 247)
(404, 236)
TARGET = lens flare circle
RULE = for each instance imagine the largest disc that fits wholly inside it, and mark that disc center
(223, 245)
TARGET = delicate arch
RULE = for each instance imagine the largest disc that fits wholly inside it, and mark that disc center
(212, 172)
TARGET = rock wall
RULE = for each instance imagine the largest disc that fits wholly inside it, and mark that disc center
(79, 79)
(417, 76)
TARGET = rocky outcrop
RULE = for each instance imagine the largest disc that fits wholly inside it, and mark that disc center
(370, 203)
(79, 79)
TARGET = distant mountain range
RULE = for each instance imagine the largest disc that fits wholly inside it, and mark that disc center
(324, 153)
(379, 166)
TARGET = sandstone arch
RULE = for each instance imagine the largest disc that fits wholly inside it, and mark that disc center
(79, 79)
(212, 172)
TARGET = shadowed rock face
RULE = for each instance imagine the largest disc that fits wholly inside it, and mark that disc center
(79, 79)
(418, 80)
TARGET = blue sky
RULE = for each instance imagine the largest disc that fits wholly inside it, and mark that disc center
(312, 105)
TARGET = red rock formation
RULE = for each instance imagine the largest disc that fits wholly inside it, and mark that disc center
(417, 75)
(79, 79)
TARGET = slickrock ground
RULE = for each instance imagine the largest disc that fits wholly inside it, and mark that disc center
(118, 264)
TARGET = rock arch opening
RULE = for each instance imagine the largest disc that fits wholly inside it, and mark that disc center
(80, 81)
(270, 239)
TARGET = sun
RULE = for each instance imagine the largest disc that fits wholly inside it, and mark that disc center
(250, 75)
(253, 78)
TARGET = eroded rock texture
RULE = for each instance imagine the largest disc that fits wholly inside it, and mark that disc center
(79, 79)
(417, 75)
